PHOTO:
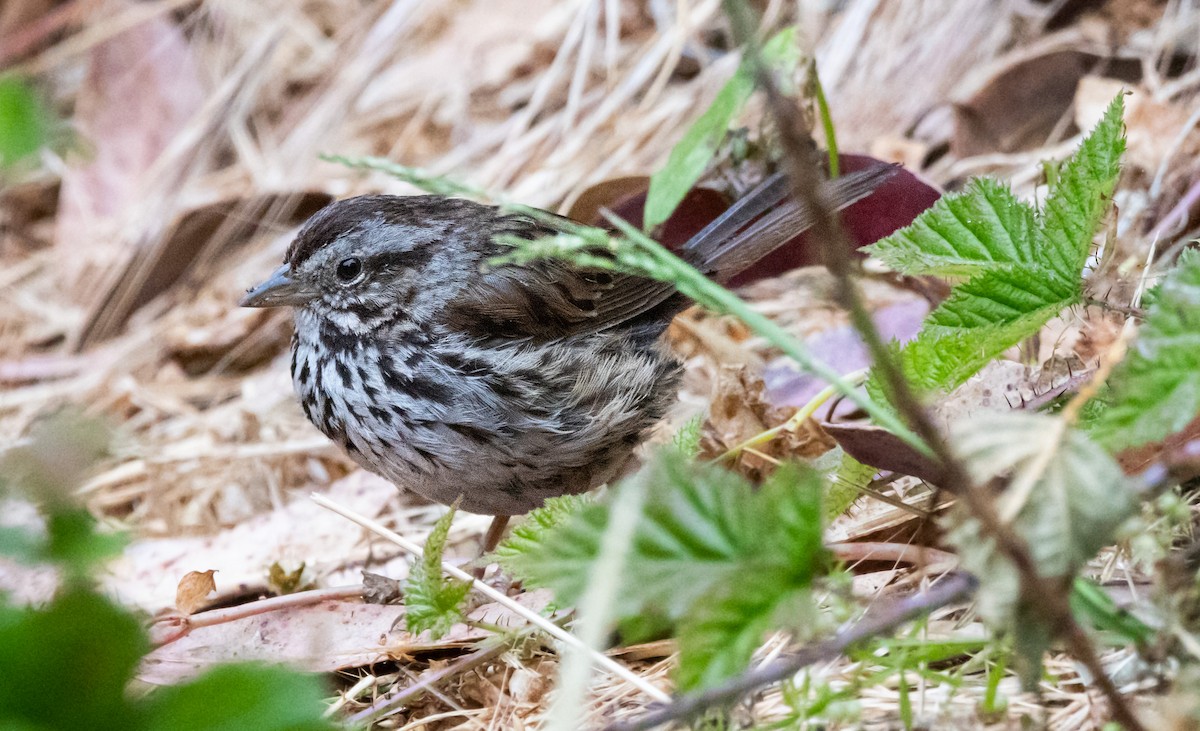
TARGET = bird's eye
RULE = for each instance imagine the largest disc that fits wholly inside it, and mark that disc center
(348, 269)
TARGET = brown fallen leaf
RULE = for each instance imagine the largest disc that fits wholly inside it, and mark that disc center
(879, 448)
(198, 236)
(1020, 105)
(380, 589)
(193, 590)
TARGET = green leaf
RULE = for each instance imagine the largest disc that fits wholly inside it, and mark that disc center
(717, 640)
(687, 439)
(692, 154)
(846, 486)
(246, 696)
(1080, 196)
(81, 640)
(1155, 391)
(24, 121)
(983, 228)
(75, 544)
(703, 532)
(528, 538)
(1077, 498)
(701, 526)
(1091, 602)
(1023, 268)
(432, 601)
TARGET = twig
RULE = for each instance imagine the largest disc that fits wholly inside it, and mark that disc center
(952, 589)
(558, 633)
(1044, 596)
(390, 703)
(175, 627)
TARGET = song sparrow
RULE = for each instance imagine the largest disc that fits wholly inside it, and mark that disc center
(497, 386)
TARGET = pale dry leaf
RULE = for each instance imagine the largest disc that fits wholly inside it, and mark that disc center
(325, 637)
(142, 88)
(298, 531)
(1151, 126)
(193, 590)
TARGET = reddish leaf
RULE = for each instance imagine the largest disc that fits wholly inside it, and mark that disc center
(626, 197)
(893, 206)
(879, 448)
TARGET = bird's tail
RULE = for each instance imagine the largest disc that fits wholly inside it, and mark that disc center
(767, 218)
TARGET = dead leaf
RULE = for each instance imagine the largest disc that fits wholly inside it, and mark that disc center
(142, 87)
(879, 448)
(1020, 105)
(325, 637)
(1151, 126)
(193, 590)
(142, 577)
(380, 589)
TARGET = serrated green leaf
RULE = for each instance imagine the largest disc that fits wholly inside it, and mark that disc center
(1075, 503)
(242, 696)
(1155, 391)
(847, 483)
(687, 439)
(692, 154)
(432, 601)
(710, 553)
(981, 229)
(535, 537)
(1081, 194)
(717, 640)
(1024, 268)
(701, 526)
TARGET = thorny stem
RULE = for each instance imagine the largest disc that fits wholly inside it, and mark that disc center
(952, 589)
(1042, 595)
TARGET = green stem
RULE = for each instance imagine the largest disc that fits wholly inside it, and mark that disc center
(826, 121)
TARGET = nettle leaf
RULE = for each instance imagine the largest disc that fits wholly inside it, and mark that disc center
(1077, 497)
(717, 640)
(704, 531)
(1081, 194)
(980, 229)
(692, 154)
(553, 545)
(1023, 268)
(432, 601)
(1156, 389)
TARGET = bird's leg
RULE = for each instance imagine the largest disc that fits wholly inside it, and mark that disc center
(495, 532)
(491, 539)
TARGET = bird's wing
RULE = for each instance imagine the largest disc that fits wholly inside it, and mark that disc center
(550, 298)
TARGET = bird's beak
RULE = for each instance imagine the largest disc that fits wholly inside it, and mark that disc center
(278, 290)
